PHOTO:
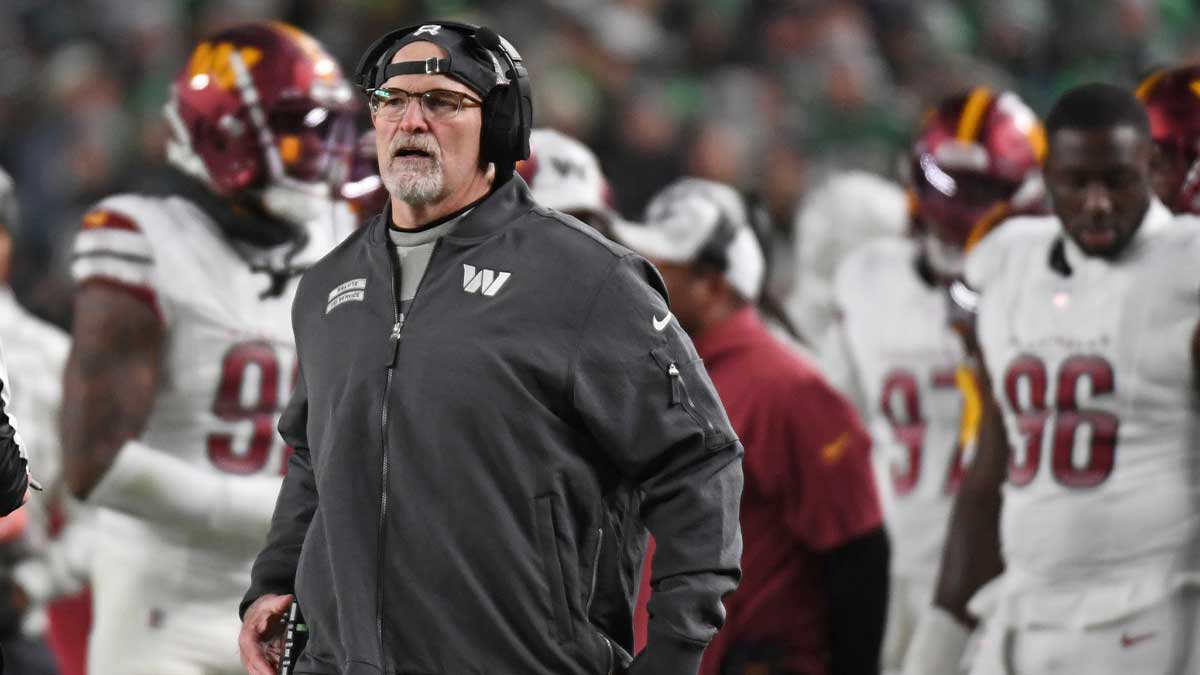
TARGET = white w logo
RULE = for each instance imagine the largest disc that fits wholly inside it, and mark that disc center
(490, 282)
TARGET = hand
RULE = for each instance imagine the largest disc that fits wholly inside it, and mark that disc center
(263, 628)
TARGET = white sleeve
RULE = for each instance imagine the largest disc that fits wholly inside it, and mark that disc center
(159, 487)
(112, 247)
(62, 568)
(938, 645)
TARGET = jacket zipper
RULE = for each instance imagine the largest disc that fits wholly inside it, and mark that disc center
(587, 608)
(394, 337)
(681, 397)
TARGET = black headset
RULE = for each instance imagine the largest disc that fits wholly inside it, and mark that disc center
(507, 110)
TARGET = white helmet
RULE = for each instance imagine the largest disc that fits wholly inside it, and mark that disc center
(564, 175)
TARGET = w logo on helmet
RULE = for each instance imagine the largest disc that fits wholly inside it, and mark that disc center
(431, 28)
(213, 61)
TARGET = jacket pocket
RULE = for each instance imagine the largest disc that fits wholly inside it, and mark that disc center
(704, 409)
(614, 659)
(552, 565)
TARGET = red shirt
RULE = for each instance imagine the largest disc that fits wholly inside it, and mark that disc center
(808, 488)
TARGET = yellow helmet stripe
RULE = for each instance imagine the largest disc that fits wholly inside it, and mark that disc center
(972, 406)
(1149, 84)
(972, 114)
(989, 220)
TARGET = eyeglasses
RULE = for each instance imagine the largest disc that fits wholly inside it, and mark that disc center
(437, 104)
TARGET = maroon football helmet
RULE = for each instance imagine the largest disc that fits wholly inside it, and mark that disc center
(1172, 100)
(262, 108)
(976, 160)
(364, 189)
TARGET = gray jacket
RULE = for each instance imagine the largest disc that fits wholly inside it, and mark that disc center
(469, 482)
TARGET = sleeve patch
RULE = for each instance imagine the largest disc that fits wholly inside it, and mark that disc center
(99, 218)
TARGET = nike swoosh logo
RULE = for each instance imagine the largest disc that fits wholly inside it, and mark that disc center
(659, 325)
(833, 452)
(1129, 641)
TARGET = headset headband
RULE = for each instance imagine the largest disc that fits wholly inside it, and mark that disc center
(506, 133)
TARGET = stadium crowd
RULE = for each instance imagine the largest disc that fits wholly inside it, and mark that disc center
(767, 96)
(856, 208)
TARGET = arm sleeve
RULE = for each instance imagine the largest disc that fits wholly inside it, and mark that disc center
(61, 569)
(856, 591)
(146, 482)
(14, 471)
(275, 568)
(111, 248)
(645, 397)
(834, 498)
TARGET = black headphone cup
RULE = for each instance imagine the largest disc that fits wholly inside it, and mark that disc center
(511, 117)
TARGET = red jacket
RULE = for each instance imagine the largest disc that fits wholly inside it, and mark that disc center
(808, 488)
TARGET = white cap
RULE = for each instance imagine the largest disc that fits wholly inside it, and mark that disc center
(685, 217)
(563, 174)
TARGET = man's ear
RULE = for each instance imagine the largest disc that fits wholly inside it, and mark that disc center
(715, 285)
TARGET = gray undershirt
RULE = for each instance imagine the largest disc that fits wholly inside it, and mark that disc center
(414, 250)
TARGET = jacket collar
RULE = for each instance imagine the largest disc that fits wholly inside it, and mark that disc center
(496, 211)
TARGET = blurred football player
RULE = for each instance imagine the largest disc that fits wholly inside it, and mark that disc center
(563, 174)
(976, 159)
(1172, 100)
(183, 354)
(1086, 474)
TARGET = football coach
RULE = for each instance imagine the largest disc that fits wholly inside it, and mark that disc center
(494, 403)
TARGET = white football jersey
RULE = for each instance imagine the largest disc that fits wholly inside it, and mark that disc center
(1090, 361)
(904, 356)
(227, 367)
